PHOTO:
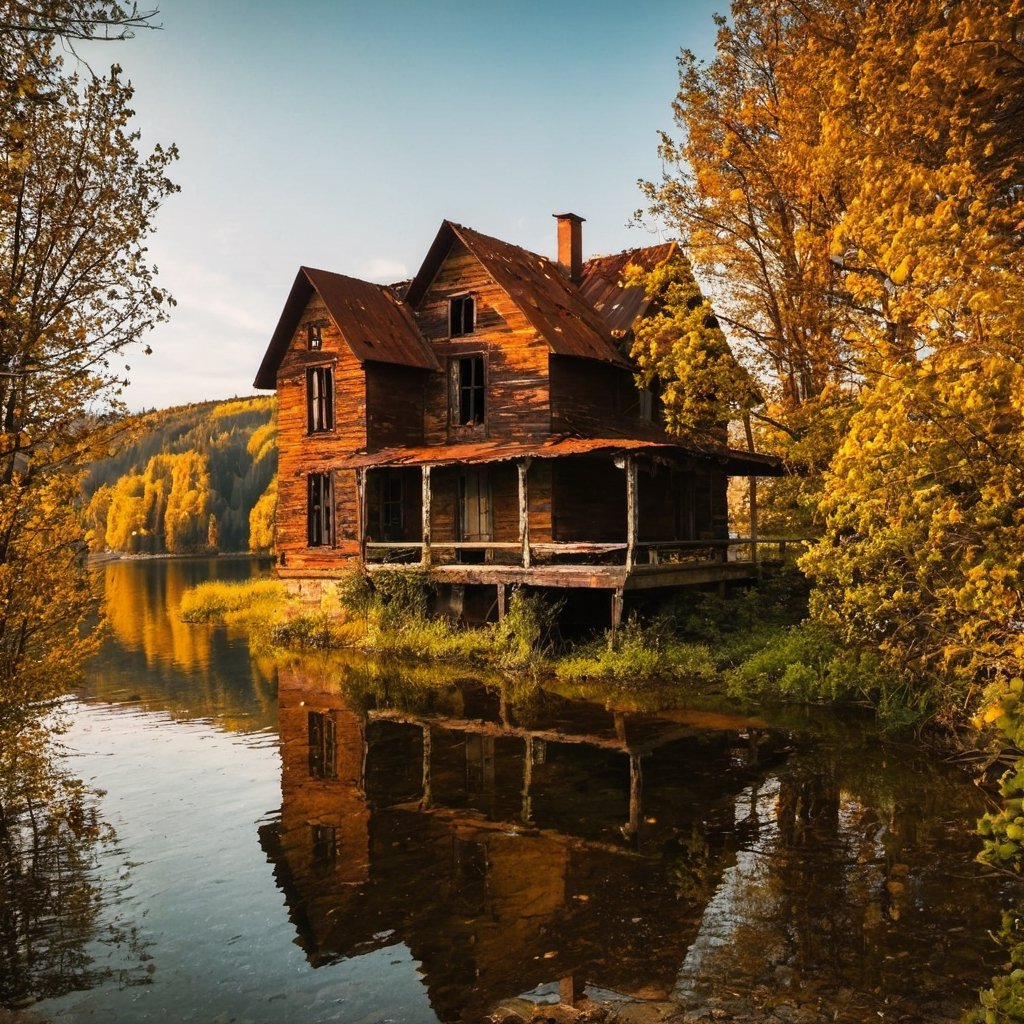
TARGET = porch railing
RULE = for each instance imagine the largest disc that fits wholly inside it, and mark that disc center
(644, 553)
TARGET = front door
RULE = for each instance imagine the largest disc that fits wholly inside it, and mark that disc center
(475, 523)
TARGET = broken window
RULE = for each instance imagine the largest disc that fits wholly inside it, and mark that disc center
(468, 390)
(314, 335)
(390, 505)
(461, 315)
(319, 510)
(322, 747)
(320, 398)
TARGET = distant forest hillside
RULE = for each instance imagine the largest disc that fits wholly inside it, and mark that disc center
(196, 478)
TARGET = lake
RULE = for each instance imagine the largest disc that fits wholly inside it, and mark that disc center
(335, 839)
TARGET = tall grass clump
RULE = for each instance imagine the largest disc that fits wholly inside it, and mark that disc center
(244, 602)
(640, 653)
(528, 631)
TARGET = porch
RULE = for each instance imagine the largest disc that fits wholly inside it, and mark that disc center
(616, 516)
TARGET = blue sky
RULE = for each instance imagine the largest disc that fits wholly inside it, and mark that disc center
(340, 134)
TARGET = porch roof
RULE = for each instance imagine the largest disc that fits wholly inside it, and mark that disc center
(728, 460)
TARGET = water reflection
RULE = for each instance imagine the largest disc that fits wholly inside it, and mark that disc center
(552, 848)
(51, 896)
(155, 659)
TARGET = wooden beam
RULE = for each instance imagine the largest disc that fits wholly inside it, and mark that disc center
(361, 512)
(502, 596)
(425, 555)
(631, 512)
(617, 602)
(523, 466)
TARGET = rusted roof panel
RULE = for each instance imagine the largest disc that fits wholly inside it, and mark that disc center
(620, 307)
(373, 322)
(555, 307)
(730, 460)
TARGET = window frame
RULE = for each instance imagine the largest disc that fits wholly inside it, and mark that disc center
(320, 399)
(468, 392)
(319, 510)
(391, 527)
(461, 315)
(322, 737)
(314, 335)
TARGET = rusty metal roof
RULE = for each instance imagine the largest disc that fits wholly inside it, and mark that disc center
(373, 322)
(729, 460)
(620, 307)
(553, 305)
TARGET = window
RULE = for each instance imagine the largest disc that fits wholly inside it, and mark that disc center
(390, 505)
(324, 842)
(319, 510)
(461, 315)
(320, 398)
(468, 390)
(322, 748)
(314, 335)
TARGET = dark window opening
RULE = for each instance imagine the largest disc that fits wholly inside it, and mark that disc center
(391, 505)
(320, 398)
(461, 315)
(470, 384)
(314, 336)
(319, 510)
(324, 840)
(322, 747)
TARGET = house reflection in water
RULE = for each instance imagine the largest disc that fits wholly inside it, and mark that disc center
(507, 847)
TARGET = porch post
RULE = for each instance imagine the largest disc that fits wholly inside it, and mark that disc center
(523, 466)
(425, 555)
(631, 512)
(361, 511)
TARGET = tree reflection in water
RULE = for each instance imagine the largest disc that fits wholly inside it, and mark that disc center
(52, 922)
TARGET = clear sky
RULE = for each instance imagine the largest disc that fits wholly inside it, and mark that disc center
(340, 133)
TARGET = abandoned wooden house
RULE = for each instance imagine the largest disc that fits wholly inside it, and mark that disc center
(483, 423)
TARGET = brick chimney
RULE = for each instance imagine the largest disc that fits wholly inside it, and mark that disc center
(570, 245)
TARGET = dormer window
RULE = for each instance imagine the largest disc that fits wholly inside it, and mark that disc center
(461, 315)
(314, 336)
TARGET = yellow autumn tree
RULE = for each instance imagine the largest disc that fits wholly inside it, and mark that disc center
(77, 202)
(186, 520)
(261, 519)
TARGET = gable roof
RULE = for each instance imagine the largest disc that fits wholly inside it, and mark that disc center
(619, 306)
(375, 325)
(555, 308)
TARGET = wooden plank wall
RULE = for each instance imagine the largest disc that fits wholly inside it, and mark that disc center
(593, 399)
(395, 401)
(515, 357)
(300, 453)
(588, 501)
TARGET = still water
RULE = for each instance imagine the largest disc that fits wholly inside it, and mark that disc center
(336, 840)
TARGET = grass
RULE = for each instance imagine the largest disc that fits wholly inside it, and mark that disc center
(250, 603)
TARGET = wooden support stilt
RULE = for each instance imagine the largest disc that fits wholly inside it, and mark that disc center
(502, 597)
(618, 598)
(425, 557)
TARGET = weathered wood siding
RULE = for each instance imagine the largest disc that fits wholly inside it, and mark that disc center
(588, 501)
(515, 357)
(593, 399)
(301, 453)
(394, 402)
